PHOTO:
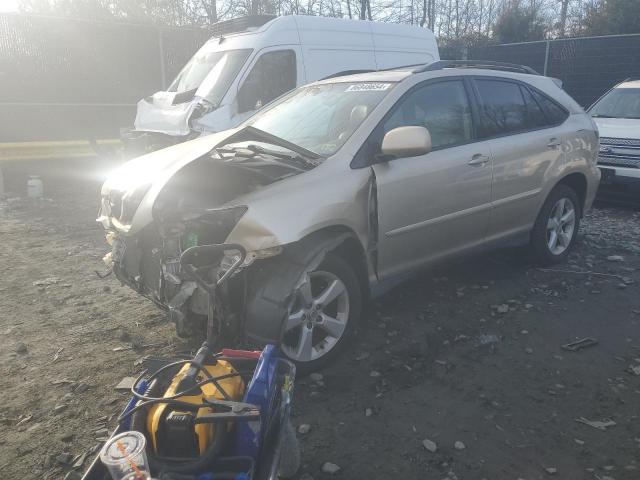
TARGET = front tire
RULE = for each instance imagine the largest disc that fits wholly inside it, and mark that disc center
(556, 227)
(323, 314)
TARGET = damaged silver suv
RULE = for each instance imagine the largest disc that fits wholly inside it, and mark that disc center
(344, 185)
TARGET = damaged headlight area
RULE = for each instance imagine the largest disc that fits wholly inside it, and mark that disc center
(149, 261)
(119, 207)
(211, 226)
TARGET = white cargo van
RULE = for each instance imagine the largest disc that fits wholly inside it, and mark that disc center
(235, 74)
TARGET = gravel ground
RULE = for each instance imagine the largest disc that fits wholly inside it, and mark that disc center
(465, 360)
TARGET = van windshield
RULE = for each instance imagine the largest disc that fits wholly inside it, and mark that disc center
(321, 117)
(210, 71)
(618, 103)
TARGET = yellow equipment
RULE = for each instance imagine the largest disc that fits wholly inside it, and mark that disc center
(173, 429)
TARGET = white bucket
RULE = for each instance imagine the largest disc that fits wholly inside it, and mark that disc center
(34, 187)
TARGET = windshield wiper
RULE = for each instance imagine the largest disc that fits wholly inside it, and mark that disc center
(249, 153)
(257, 149)
(252, 133)
(597, 115)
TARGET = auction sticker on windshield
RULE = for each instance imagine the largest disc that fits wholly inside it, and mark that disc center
(367, 87)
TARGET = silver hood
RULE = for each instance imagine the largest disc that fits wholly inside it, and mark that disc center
(188, 176)
(147, 175)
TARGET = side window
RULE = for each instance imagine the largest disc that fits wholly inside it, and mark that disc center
(555, 113)
(442, 107)
(502, 108)
(272, 75)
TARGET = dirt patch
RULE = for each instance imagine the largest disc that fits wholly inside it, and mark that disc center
(469, 353)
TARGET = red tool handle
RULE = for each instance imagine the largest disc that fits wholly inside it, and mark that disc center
(228, 352)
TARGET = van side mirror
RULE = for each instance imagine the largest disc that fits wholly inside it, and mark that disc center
(407, 141)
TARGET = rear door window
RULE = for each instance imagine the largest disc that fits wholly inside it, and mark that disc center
(502, 108)
(272, 75)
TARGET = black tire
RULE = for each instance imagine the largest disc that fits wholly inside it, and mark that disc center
(337, 266)
(539, 246)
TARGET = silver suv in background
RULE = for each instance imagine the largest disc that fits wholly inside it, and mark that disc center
(342, 186)
(617, 115)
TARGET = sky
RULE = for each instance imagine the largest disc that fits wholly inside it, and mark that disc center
(8, 5)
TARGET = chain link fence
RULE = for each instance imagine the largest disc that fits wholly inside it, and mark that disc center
(588, 67)
(63, 79)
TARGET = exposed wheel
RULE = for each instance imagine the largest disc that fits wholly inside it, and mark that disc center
(556, 227)
(323, 314)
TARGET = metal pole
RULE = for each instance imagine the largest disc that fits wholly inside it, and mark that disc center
(163, 73)
(546, 58)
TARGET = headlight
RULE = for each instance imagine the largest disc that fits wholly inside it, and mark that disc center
(119, 207)
(131, 201)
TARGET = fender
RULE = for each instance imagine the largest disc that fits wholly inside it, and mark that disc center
(268, 300)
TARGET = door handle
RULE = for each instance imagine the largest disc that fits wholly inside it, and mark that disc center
(479, 159)
(553, 143)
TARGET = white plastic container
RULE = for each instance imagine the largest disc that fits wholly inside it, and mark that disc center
(35, 187)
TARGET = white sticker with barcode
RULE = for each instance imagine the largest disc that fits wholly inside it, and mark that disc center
(367, 87)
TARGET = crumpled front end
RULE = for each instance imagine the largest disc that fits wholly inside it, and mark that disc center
(150, 223)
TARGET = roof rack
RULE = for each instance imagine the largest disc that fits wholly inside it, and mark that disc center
(239, 24)
(487, 64)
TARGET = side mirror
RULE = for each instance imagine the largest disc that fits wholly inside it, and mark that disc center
(406, 142)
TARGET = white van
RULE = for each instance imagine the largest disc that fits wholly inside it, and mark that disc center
(233, 75)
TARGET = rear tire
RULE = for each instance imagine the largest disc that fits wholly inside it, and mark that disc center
(556, 227)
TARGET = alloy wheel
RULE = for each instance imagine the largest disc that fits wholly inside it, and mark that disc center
(561, 226)
(317, 318)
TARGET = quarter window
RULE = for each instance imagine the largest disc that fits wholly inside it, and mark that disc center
(272, 75)
(442, 107)
(535, 117)
(554, 112)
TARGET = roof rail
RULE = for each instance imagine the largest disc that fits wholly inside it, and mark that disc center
(490, 65)
(344, 73)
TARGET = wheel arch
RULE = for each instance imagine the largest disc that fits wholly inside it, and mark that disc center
(268, 300)
(577, 181)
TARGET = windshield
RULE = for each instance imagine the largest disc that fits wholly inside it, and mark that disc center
(321, 118)
(618, 103)
(211, 71)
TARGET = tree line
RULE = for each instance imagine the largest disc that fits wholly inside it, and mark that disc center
(455, 22)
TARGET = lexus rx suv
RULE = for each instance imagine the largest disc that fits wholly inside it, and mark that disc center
(342, 186)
